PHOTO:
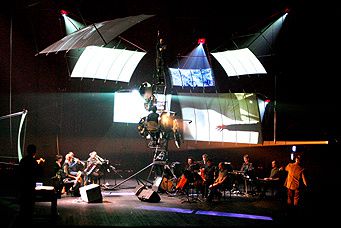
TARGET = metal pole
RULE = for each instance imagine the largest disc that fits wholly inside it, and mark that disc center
(275, 110)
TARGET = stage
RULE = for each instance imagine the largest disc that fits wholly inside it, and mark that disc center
(121, 207)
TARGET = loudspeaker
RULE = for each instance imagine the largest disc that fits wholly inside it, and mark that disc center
(91, 193)
(138, 189)
(149, 195)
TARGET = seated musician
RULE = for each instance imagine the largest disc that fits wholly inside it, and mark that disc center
(73, 168)
(218, 182)
(92, 171)
(208, 174)
(59, 175)
(190, 175)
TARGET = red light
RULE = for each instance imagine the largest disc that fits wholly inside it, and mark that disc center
(201, 41)
(267, 101)
(64, 12)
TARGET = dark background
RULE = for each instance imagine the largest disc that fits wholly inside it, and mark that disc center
(301, 77)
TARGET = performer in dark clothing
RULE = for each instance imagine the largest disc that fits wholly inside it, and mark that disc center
(59, 175)
(28, 175)
(153, 125)
(160, 60)
(208, 174)
(153, 116)
(219, 181)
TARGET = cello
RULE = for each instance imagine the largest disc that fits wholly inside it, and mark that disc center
(182, 182)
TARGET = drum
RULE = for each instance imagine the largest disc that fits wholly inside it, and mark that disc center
(166, 121)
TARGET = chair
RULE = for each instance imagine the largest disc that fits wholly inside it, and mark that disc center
(191, 189)
(192, 193)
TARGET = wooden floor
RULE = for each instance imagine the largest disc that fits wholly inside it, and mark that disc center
(121, 207)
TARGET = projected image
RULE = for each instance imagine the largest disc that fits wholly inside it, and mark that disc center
(129, 106)
(192, 77)
(229, 117)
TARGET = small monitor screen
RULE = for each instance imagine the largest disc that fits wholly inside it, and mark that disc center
(192, 77)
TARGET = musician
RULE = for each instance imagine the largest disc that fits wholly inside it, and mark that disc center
(248, 172)
(208, 175)
(203, 165)
(73, 169)
(153, 125)
(29, 173)
(59, 175)
(191, 168)
(271, 181)
(218, 182)
(247, 166)
(92, 170)
(190, 174)
(204, 159)
(160, 59)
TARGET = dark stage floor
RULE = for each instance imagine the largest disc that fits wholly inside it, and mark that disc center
(121, 207)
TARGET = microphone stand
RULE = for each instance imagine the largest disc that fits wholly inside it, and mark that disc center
(110, 167)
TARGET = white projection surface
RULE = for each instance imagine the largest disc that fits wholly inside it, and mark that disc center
(223, 117)
(239, 62)
(129, 106)
(107, 64)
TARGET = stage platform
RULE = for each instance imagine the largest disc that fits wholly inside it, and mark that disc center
(121, 207)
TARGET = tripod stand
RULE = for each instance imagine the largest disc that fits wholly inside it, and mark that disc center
(107, 168)
(156, 161)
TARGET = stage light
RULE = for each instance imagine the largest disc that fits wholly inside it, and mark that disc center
(201, 41)
(292, 155)
(267, 101)
(293, 148)
(64, 12)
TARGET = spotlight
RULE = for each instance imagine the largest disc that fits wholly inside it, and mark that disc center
(64, 12)
(145, 89)
(201, 41)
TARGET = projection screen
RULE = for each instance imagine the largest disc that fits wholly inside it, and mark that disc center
(129, 106)
(107, 64)
(192, 77)
(221, 117)
(239, 62)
